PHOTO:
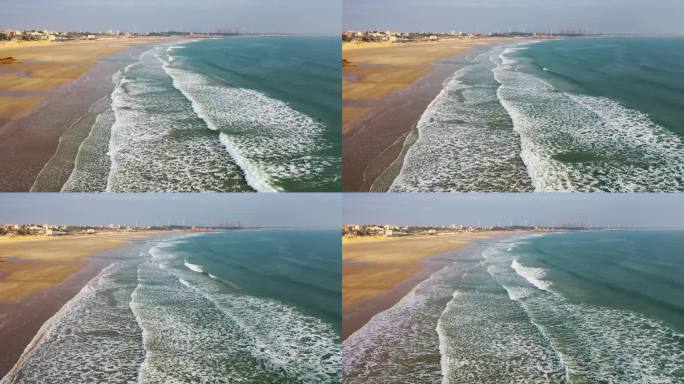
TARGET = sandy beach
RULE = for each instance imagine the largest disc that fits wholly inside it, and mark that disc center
(378, 272)
(385, 89)
(39, 275)
(44, 93)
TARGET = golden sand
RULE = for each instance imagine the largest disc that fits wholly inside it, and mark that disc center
(13, 106)
(43, 66)
(350, 114)
(374, 70)
(372, 267)
(30, 265)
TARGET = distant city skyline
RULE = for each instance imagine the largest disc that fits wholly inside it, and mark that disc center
(311, 210)
(489, 16)
(249, 16)
(544, 209)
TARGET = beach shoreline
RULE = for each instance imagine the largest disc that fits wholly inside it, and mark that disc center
(384, 95)
(393, 278)
(62, 83)
(19, 328)
(30, 301)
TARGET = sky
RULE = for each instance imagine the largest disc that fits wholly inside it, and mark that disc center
(330, 210)
(267, 16)
(598, 209)
(597, 16)
(312, 210)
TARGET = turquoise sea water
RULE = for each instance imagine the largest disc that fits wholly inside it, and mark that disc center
(301, 268)
(582, 307)
(633, 271)
(642, 73)
(233, 114)
(586, 114)
(247, 307)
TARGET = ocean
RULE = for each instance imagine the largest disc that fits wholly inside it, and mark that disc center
(582, 307)
(221, 115)
(586, 114)
(243, 306)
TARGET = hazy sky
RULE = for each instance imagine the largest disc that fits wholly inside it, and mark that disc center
(283, 210)
(645, 210)
(601, 16)
(293, 16)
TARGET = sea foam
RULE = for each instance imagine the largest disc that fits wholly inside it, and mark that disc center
(400, 344)
(194, 267)
(272, 143)
(157, 142)
(465, 139)
(220, 332)
(534, 275)
(573, 142)
(92, 338)
(595, 344)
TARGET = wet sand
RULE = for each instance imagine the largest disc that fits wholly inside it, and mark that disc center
(386, 88)
(377, 273)
(30, 265)
(23, 319)
(39, 276)
(44, 97)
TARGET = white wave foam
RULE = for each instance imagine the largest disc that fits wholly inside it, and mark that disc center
(465, 140)
(486, 337)
(584, 143)
(194, 267)
(535, 276)
(157, 143)
(224, 334)
(92, 163)
(400, 344)
(92, 338)
(595, 344)
(224, 281)
(270, 141)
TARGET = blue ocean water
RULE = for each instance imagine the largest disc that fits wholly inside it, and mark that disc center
(233, 114)
(577, 307)
(608, 303)
(589, 114)
(300, 268)
(633, 271)
(248, 307)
